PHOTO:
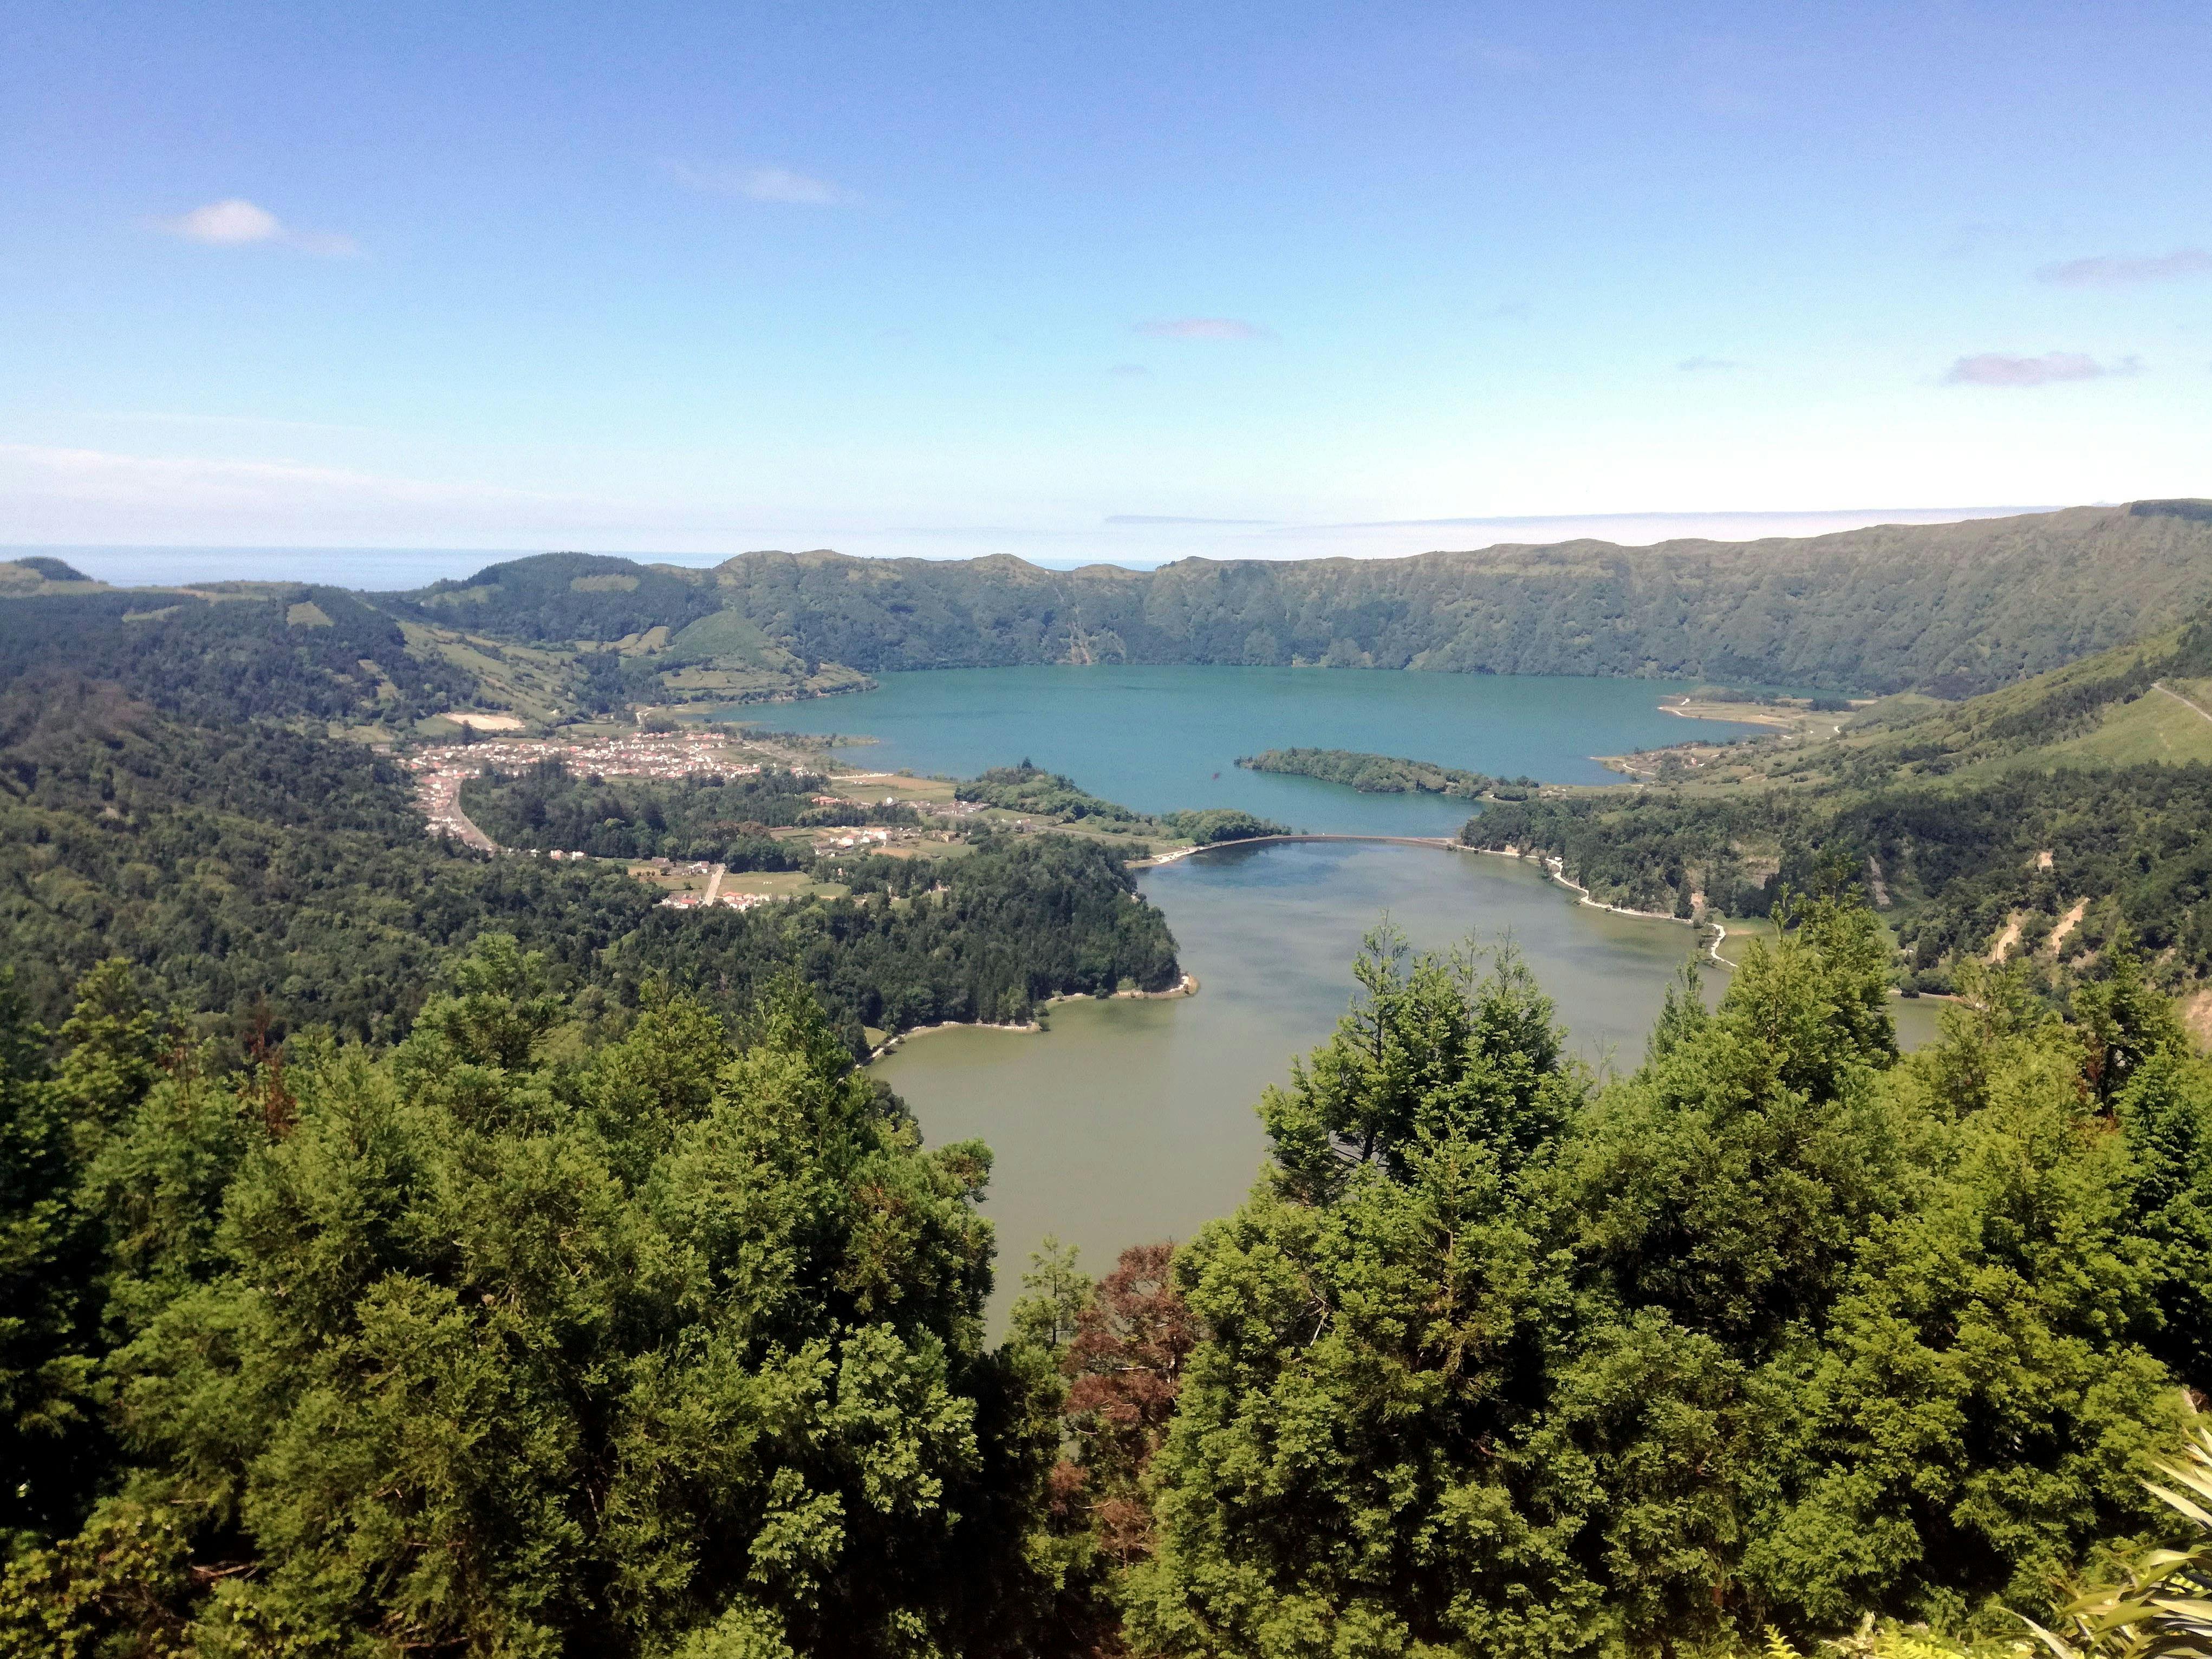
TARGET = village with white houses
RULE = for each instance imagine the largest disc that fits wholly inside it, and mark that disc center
(671, 756)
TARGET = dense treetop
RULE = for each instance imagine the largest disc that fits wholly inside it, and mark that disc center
(1779, 1331)
(673, 1348)
(526, 1336)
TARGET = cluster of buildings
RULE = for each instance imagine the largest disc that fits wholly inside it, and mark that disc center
(701, 901)
(851, 838)
(680, 754)
(440, 771)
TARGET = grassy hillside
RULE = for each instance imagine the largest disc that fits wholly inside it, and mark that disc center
(20, 578)
(281, 651)
(2135, 703)
(2031, 822)
(562, 596)
(586, 634)
(523, 638)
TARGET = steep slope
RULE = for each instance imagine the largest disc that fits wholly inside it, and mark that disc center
(1948, 609)
(1952, 609)
(2031, 821)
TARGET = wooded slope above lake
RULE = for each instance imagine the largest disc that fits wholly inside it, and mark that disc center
(1954, 609)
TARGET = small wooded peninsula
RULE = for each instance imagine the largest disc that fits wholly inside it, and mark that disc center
(1385, 775)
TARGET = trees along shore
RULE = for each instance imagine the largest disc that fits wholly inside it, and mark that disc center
(520, 1337)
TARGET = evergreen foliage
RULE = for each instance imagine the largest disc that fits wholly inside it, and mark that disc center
(1961, 818)
(992, 938)
(708, 816)
(525, 1335)
(1377, 774)
(263, 877)
(1027, 788)
(1964, 857)
(675, 1348)
(271, 881)
(1781, 1331)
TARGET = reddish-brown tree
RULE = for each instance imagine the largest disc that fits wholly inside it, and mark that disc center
(1127, 1362)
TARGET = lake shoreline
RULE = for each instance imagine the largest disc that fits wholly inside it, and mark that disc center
(1188, 986)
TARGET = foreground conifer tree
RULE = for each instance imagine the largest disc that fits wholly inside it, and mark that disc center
(524, 1339)
(669, 1348)
(1352, 1466)
(1779, 1331)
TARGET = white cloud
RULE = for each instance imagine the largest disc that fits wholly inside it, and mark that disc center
(2000, 368)
(1706, 365)
(226, 224)
(237, 222)
(765, 184)
(2125, 271)
(1203, 328)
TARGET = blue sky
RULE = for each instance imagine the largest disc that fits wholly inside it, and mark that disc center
(987, 278)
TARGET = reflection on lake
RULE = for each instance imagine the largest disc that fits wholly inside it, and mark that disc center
(1132, 1120)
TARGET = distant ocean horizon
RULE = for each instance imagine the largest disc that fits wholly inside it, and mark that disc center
(367, 569)
(1134, 542)
(364, 570)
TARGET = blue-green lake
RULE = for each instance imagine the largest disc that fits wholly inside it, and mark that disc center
(1131, 1120)
(1159, 738)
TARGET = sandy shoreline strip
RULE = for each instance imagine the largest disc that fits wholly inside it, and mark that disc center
(1186, 986)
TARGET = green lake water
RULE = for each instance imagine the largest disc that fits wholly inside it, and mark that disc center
(1128, 1120)
(1133, 1120)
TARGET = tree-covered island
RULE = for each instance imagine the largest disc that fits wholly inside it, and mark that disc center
(1385, 775)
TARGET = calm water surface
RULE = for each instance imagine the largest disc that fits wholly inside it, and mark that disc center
(1158, 738)
(1132, 1120)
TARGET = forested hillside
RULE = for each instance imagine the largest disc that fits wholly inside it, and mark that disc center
(275, 880)
(269, 878)
(279, 651)
(522, 1336)
(1954, 609)
(2032, 816)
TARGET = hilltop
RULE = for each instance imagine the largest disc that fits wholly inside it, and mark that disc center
(1942, 610)
(1948, 609)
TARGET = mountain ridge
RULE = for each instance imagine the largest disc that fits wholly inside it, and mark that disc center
(1952, 609)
